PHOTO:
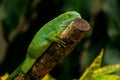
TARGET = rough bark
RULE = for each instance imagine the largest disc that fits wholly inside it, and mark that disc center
(71, 36)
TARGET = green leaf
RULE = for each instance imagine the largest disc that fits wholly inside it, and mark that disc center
(95, 65)
(96, 72)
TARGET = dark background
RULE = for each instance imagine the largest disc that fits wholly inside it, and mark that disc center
(20, 20)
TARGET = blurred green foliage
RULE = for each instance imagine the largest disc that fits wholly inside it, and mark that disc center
(12, 11)
(97, 72)
(103, 15)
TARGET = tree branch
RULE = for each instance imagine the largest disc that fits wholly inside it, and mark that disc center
(71, 35)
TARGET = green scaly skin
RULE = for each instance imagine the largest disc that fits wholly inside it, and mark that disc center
(40, 44)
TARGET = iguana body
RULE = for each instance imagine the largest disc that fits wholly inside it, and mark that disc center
(44, 38)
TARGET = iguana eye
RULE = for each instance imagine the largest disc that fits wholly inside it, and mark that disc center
(69, 15)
